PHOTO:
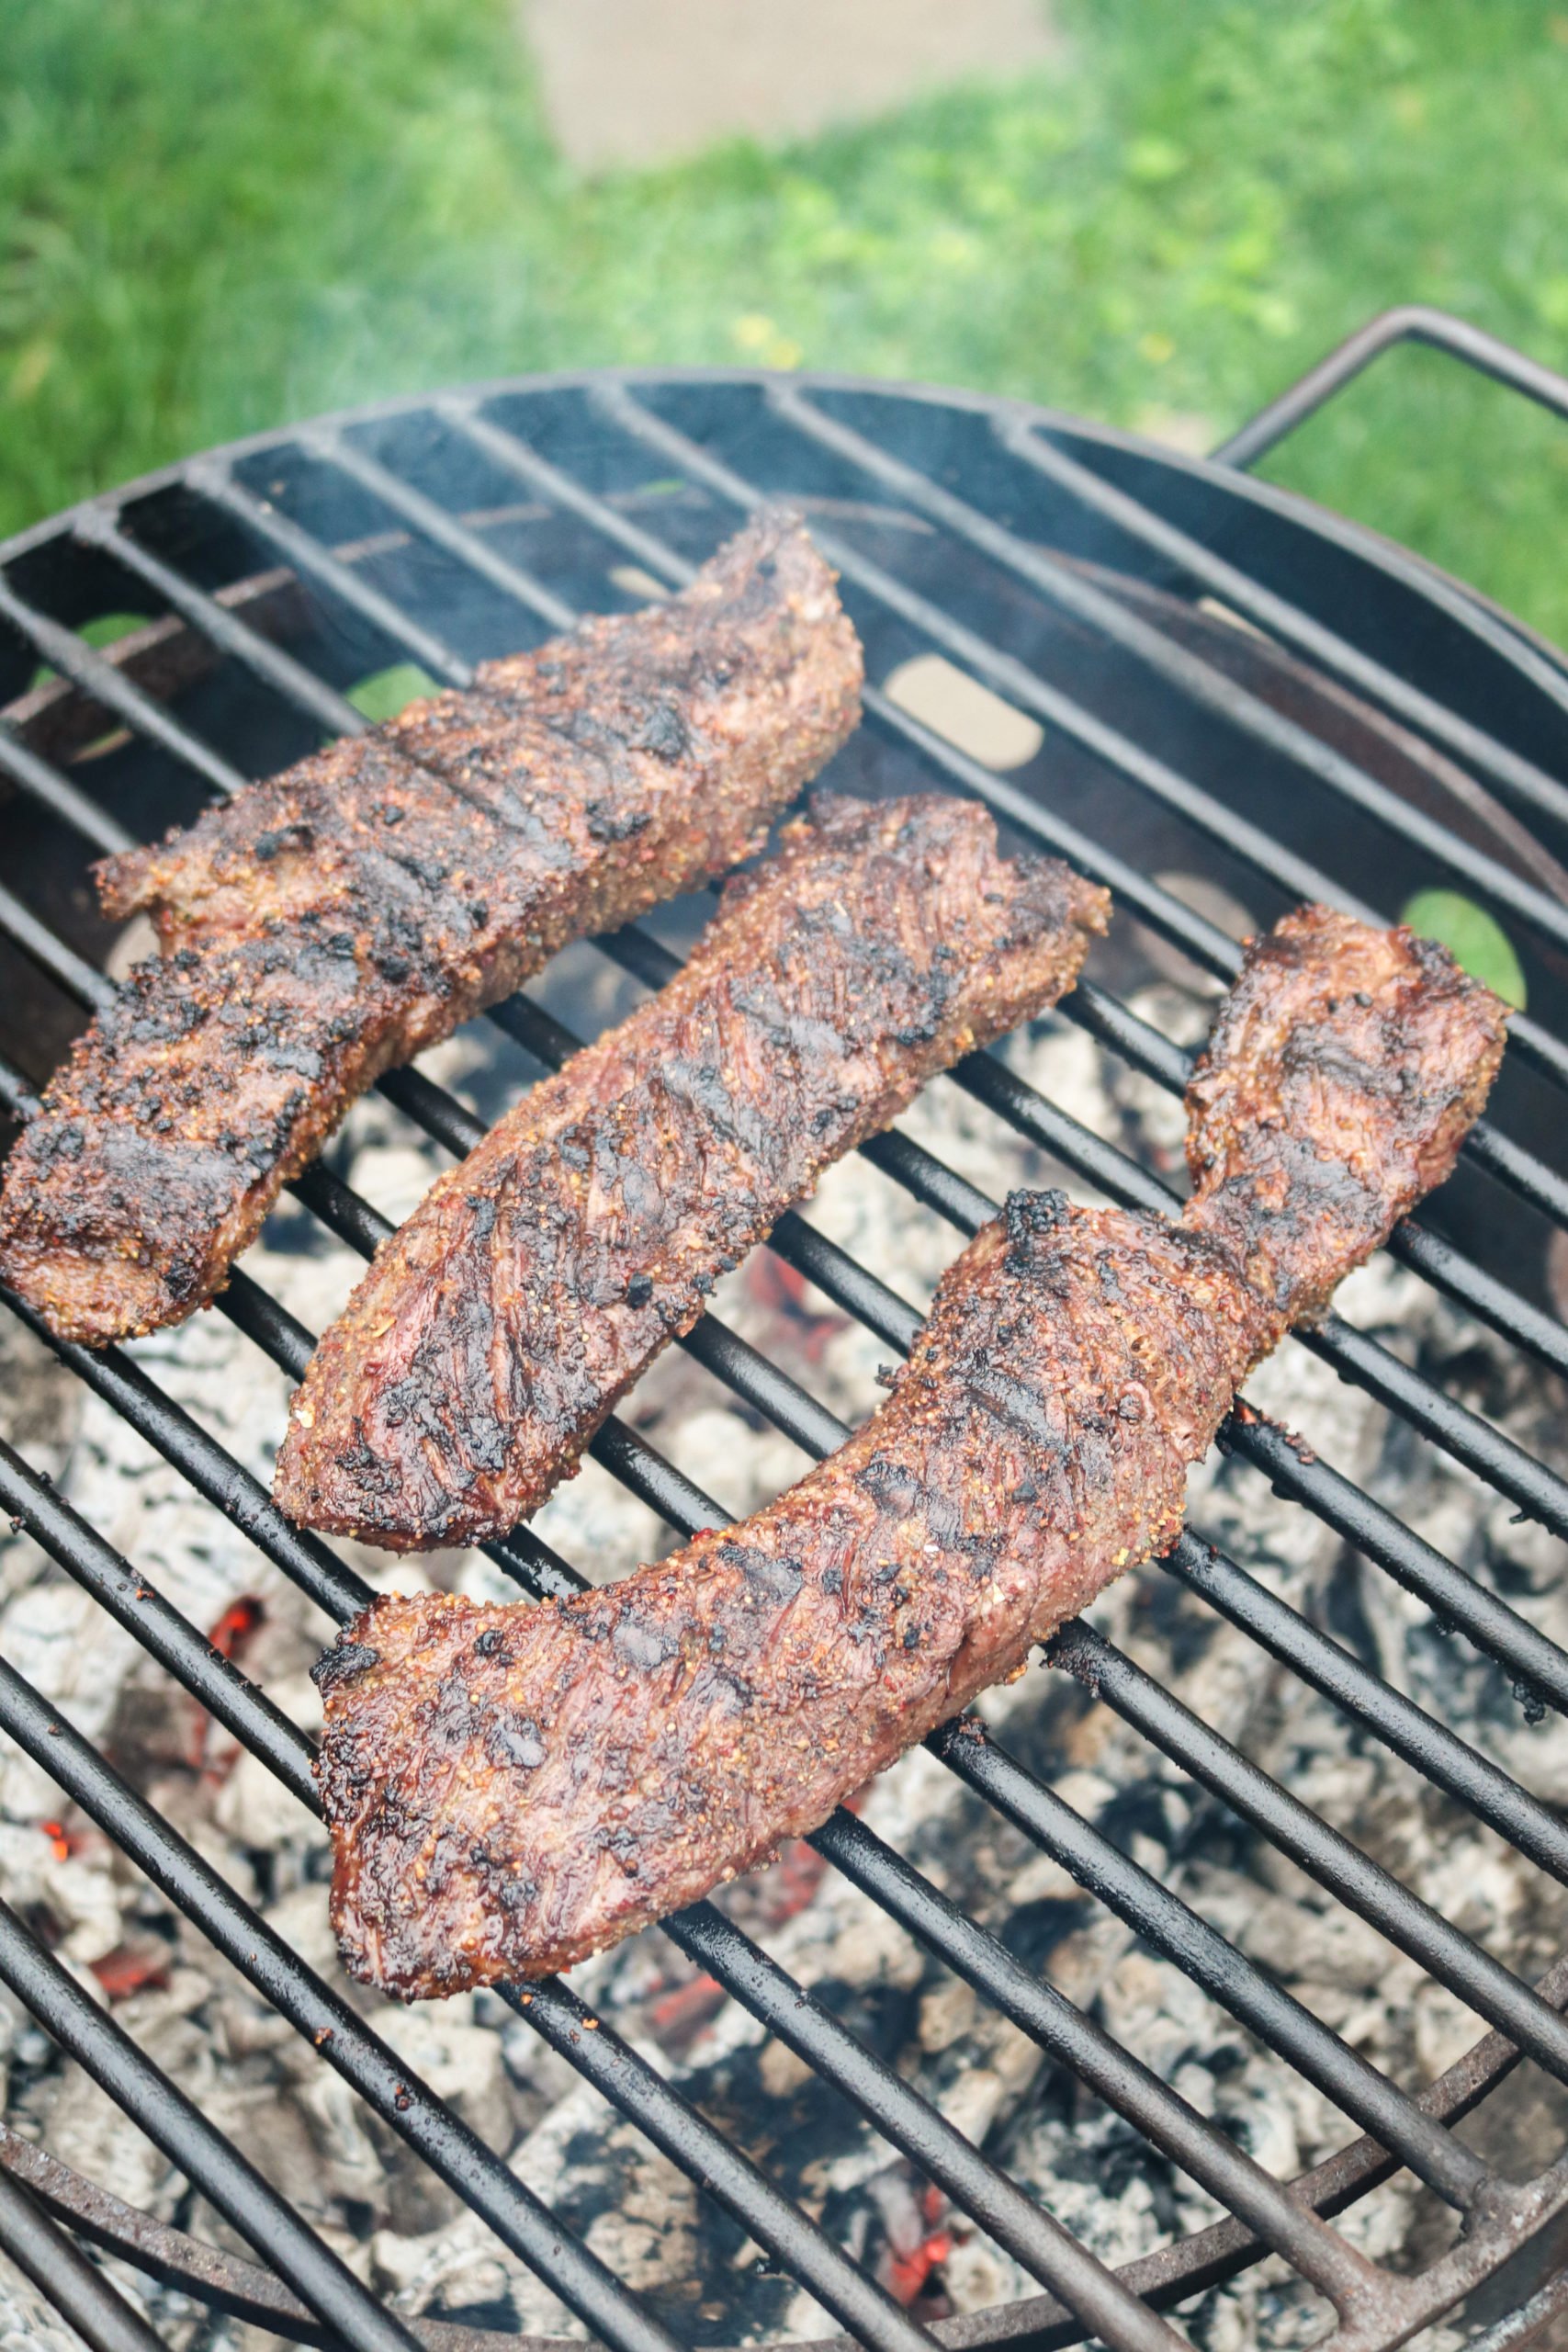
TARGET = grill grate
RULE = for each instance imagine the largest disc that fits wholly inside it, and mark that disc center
(978, 580)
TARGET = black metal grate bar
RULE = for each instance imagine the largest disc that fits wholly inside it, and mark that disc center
(1319, 2254)
(62, 799)
(1482, 1294)
(17, 1099)
(47, 2255)
(1519, 1170)
(103, 527)
(51, 954)
(1201, 683)
(313, 561)
(1436, 1752)
(1171, 1927)
(435, 523)
(1023, 439)
(1412, 1926)
(376, 2073)
(213, 1680)
(1453, 1426)
(113, 1376)
(1418, 1566)
(200, 2151)
(1191, 2140)
(1225, 827)
(685, 2136)
(1462, 1435)
(106, 682)
(1522, 1170)
(1169, 2118)
(1456, 1599)
(519, 2219)
(1010, 2218)
(1035, 2007)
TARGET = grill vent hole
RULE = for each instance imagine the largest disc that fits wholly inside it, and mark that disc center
(957, 708)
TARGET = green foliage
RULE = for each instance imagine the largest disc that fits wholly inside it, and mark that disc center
(104, 630)
(1475, 940)
(216, 217)
(385, 692)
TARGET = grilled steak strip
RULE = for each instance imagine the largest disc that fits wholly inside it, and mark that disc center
(537, 1280)
(332, 921)
(511, 1788)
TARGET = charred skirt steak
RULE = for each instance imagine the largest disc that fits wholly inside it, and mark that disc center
(337, 920)
(512, 1787)
(537, 1281)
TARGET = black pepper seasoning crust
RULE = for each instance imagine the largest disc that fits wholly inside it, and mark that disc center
(680, 1724)
(536, 1282)
(331, 923)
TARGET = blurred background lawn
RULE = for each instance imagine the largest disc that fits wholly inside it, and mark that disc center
(214, 218)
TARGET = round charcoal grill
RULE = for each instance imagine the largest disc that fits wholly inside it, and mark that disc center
(1245, 698)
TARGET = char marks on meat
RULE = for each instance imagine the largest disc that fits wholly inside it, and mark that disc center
(536, 1282)
(335, 921)
(511, 1788)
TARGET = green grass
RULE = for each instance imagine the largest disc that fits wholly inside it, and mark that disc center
(216, 217)
(1475, 940)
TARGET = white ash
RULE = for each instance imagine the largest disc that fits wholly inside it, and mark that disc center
(406, 2233)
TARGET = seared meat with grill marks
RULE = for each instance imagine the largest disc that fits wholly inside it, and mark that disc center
(328, 924)
(511, 1788)
(536, 1282)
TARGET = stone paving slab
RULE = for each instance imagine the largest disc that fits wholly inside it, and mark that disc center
(635, 82)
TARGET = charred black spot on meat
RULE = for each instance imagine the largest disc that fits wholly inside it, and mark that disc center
(342, 1663)
(663, 731)
(607, 823)
(769, 1581)
(642, 1646)
(1029, 1218)
(514, 1745)
(364, 1467)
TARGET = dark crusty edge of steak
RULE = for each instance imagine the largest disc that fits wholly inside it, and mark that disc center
(338, 919)
(511, 1788)
(536, 1282)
